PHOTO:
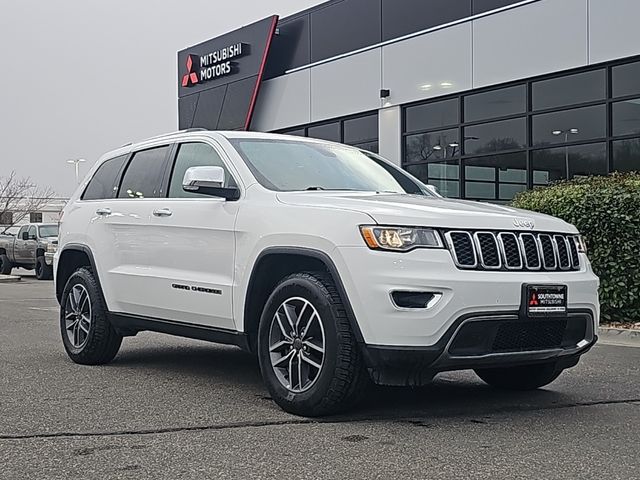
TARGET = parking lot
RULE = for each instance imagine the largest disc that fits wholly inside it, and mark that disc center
(173, 408)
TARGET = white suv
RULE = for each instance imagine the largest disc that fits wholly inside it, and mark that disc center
(331, 264)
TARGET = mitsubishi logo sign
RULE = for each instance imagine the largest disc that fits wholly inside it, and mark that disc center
(212, 65)
(190, 78)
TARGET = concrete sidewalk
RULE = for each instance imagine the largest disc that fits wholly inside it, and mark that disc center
(619, 336)
(9, 279)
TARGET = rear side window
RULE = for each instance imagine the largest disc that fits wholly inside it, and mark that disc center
(195, 155)
(144, 175)
(104, 183)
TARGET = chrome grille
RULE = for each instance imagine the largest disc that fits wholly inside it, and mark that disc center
(484, 250)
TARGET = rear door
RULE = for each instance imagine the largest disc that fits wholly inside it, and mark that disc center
(126, 234)
(193, 245)
(18, 245)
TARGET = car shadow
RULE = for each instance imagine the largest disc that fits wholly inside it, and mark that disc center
(452, 394)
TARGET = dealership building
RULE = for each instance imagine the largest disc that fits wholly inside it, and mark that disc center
(481, 98)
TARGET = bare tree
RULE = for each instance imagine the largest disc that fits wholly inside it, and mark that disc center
(21, 197)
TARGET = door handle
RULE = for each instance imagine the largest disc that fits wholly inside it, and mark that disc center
(103, 212)
(162, 212)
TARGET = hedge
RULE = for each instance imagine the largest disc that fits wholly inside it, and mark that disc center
(606, 211)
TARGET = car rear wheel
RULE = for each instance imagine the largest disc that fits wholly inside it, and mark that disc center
(87, 335)
(43, 271)
(527, 377)
(5, 265)
(307, 351)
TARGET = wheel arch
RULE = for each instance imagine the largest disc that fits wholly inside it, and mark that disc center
(275, 263)
(72, 257)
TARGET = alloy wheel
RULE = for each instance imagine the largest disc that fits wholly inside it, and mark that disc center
(77, 316)
(297, 344)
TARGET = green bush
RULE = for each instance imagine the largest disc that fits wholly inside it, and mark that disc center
(606, 211)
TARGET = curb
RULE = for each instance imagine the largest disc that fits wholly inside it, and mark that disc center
(619, 336)
(9, 279)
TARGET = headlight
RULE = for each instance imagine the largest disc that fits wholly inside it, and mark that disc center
(52, 247)
(580, 244)
(400, 239)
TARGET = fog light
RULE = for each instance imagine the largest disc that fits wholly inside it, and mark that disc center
(415, 300)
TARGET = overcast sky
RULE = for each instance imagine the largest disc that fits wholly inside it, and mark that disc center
(81, 77)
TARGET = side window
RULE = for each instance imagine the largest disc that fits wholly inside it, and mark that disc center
(21, 231)
(195, 155)
(32, 233)
(104, 183)
(143, 177)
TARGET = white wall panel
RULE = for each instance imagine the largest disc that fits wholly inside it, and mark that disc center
(430, 65)
(390, 134)
(539, 38)
(613, 29)
(346, 86)
(283, 102)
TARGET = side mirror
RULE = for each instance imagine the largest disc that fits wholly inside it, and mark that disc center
(433, 190)
(208, 181)
(25, 235)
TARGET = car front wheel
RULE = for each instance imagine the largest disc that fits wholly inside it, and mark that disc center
(87, 335)
(307, 351)
(43, 271)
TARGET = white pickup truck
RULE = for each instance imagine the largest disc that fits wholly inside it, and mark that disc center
(333, 265)
(32, 248)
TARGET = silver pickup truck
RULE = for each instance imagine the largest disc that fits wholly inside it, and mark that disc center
(32, 248)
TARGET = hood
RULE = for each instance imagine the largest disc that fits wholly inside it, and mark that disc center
(418, 210)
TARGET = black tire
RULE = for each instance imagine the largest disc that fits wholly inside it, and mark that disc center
(529, 377)
(342, 379)
(43, 271)
(5, 265)
(102, 341)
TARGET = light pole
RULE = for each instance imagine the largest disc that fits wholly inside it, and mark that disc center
(76, 162)
(571, 131)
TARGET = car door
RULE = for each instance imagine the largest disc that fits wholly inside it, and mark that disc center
(194, 245)
(29, 249)
(124, 238)
(19, 245)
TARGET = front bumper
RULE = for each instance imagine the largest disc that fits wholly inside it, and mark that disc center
(486, 341)
(369, 277)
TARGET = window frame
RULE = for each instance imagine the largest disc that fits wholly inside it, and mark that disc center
(116, 182)
(163, 178)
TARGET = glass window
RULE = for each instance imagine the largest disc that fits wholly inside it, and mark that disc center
(288, 165)
(626, 117)
(497, 103)
(35, 217)
(48, 231)
(503, 175)
(362, 129)
(569, 125)
(22, 229)
(33, 233)
(369, 146)
(625, 79)
(442, 174)
(569, 90)
(407, 16)
(551, 164)
(298, 132)
(195, 155)
(432, 115)
(626, 155)
(433, 145)
(104, 183)
(496, 136)
(143, 176)
(328, 131)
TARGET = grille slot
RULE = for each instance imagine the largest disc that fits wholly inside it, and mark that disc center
(464, 253)
(488, 251)
(531, 252)
(548, 252)
(520, 336)
(485, 250)
(510, 250)
(573, 252)
(563, 252)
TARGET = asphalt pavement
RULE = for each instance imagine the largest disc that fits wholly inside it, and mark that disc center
(170, 408)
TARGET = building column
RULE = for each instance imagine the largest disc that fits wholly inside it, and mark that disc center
(390, 134)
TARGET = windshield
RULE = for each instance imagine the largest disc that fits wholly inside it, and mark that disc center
(287, 165)
(48, 231)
